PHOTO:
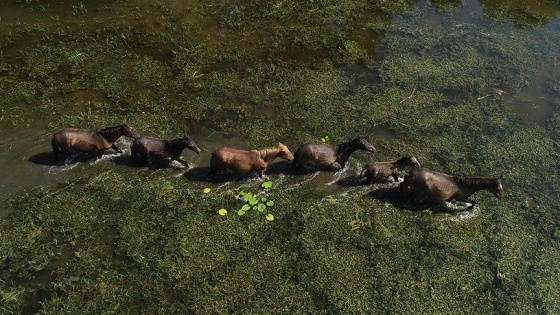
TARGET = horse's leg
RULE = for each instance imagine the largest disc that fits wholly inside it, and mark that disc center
(55, 149)
(114, 147)
(466, 200)
(180, 160)
(295, 163)
(216, 165)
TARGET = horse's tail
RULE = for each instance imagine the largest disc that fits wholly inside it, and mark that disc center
(55, 148)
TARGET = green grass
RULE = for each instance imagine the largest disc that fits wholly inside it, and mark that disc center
(127, 242)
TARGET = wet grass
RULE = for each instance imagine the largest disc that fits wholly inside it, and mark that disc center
(127, 241)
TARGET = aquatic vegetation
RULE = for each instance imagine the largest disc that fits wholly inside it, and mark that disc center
(259, 202)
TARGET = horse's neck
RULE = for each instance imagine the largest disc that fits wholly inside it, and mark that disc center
(174, 145)
(346, 148)
(474, 184)
(268, 154)
(400, 164)
(111, 134)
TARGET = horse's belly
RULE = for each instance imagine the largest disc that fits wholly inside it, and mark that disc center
(82, 146)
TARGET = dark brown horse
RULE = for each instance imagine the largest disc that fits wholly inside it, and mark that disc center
(387, 169)
(244, 162)
(439, 187)
(160, 148)
(325, 155)
(83, 140)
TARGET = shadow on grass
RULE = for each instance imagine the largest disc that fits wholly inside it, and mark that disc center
(350, 181)
(47, 158)
(398, 199)
(201, 174)
(127, 160)
(280, 167)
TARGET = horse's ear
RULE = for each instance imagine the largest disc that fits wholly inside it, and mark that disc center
(280, 144)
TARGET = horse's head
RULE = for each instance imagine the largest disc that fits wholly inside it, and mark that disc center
(497, 189)
(413, 161)
(284, 152)
(129, 131)
(362, 144)
(190, 144)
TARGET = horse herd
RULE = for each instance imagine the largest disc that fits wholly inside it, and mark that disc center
(433, 186)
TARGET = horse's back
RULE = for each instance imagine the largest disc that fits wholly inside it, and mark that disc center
(74, 138)
(438, 187)
(147, 144)
(240, 161)
(323, 154)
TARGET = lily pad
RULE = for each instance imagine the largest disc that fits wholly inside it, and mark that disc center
(270, 217)
(270, 203)
(222, 211)
(240, 212)
(267, 184)
(253, 201)
(261, 207)
(245, 207)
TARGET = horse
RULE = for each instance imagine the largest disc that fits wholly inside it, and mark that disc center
(83, 140)
(325, 155)
(389, 169)
(244, 162)
(439, 187)
(160, 148)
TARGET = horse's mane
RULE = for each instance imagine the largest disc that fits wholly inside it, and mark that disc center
(267, 152)
(173, 145)
(476, 181)
(112, 133)
(403, 160)
(347, 146)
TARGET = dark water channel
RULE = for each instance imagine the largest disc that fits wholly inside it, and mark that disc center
(26, 161)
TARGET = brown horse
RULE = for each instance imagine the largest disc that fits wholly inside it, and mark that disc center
(439, 187)
(244, 162)
(160, 148)
(387, 169)
(325, 155)
(84, 140)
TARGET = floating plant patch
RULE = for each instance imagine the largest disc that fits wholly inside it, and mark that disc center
(251, 201)
(222, 211)
(267, 184)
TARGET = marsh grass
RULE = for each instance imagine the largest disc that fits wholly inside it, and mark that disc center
(123, 242)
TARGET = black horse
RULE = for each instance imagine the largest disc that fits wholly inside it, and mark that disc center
(160, 148)
(388, 169)
(325, 155)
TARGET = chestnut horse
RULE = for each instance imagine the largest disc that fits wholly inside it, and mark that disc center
(386, 169)
(325, 155)
(244, 162)
(438, 187)
(84, 140)
(160, 148)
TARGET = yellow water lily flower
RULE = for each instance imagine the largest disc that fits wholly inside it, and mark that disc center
(206, 190)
